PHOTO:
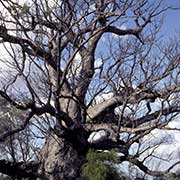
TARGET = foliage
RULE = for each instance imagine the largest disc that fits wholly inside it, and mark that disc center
(25, 8)
(99, 166)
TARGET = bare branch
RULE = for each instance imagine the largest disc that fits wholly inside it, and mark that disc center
(19, 170)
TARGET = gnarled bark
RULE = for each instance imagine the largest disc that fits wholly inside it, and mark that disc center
(50, 36)
(60, 160)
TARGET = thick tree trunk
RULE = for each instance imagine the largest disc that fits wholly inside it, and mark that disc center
(60, 160)
(62, 155)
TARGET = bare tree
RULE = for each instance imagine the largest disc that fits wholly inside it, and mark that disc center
(63, 59)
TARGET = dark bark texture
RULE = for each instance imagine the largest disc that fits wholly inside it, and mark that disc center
(64, 56)
(59, 160)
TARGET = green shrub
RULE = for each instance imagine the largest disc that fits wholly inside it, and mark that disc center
(99, 166)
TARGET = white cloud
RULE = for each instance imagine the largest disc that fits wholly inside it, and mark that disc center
(98, 136)
(98, 62)
(167, 151)
(103, 97)
(4, 58)
(92, 7)
(76, 64)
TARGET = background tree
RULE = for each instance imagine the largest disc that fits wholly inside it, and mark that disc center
(61, 57)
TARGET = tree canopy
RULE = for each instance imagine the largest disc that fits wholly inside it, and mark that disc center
(79, 75)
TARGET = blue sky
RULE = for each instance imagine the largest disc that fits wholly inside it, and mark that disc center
(172, 19)
(171, 23)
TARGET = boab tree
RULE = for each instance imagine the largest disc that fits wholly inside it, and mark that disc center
(77, 67)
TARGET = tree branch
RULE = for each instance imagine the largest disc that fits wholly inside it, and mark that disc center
(24, 43)
(145, 169)
(134, 97)
(16, 130)
(164, 112)
(19, 170)
(15, 104)
(142, 167)
(109, 144)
